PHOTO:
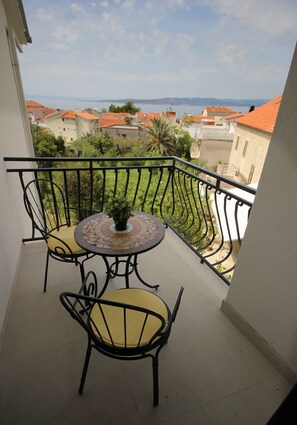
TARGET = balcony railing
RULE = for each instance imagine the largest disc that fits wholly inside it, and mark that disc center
(207, 211)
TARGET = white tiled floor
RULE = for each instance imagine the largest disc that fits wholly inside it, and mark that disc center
(210, 374)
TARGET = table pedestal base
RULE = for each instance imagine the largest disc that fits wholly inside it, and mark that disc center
(130, 266)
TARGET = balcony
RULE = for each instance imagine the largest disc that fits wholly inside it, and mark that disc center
(226, 381)
(207, 211)
(209, 372)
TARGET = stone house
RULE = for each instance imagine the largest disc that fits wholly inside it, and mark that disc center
(251, 141)
(72, 125)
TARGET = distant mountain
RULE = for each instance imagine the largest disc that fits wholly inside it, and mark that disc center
(204, 101)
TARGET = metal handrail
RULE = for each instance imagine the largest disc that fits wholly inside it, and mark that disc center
(207, 211)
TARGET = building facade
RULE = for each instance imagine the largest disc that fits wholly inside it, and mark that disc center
(251, 141)
(72, 125)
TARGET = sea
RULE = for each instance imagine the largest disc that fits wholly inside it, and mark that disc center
(72, 103)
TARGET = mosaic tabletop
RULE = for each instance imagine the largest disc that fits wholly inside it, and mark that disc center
(97, 234)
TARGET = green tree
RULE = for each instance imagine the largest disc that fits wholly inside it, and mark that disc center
(131, 108)
(183, 145)
(114, 108)
(128, 120)
(127, 107)
(161, 138)
(45, 143)
(92, 146)
(127, 145)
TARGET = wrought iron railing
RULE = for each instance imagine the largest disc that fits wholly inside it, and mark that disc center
(207, 211)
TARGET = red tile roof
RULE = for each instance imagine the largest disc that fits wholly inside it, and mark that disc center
(48, 111)
(193, 118)
(70, 115)
(219, 109)
(197, 118)
(109, 122)
(85, 115)
(169, 114)
(233, 116)
(55, 112)
(264, 117)
(32, 107)
(35, 105)
(115, 114)
(149, 115)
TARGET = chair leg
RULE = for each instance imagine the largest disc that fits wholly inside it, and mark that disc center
(82, 271)
(85, 369)
(156, 379)
(46, 270)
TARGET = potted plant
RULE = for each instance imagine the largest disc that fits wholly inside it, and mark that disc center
(119, 209)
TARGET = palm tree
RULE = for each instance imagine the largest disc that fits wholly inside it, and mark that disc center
(160, 138)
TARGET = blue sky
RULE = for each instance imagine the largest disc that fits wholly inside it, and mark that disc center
(108, 49)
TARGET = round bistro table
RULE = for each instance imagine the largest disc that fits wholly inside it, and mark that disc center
(97, 234)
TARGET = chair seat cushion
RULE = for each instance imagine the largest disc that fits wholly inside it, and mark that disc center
(66, 234)
(114, 317)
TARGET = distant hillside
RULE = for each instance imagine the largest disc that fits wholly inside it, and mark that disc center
(204, 101)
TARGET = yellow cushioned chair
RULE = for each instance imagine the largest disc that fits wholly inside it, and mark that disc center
(68, 245)
(123, 324)
(46, 206)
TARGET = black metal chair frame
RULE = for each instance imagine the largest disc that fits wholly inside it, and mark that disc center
(80, 306)
(47, 220)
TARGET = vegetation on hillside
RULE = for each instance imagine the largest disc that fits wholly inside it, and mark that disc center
(45, 143)
(89, 186)
(163, 139)
(127, 107)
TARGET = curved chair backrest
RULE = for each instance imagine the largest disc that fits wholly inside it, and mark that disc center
(129, 323)
(45, 203)
(114, 327)
(142, 313)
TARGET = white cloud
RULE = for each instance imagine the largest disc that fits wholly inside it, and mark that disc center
(269, 70)
(161, 41)
(184, 44)
(273, 17)
(66, 34)
(44, 15)
(59, 46)
(128, 4)
(229, 46)
(77, 9)
(177, 4)
(149, 5)
(232, 54)
(113, 24)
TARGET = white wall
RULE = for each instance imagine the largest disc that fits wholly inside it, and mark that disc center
(257, 147)
(263, 295)
(84, 126)
(55, 124)
(15, 140)
(70, 131)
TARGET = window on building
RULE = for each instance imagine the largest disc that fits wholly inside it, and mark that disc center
(237, 143)
(64, 129)
(245, 148)
(251, 173)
